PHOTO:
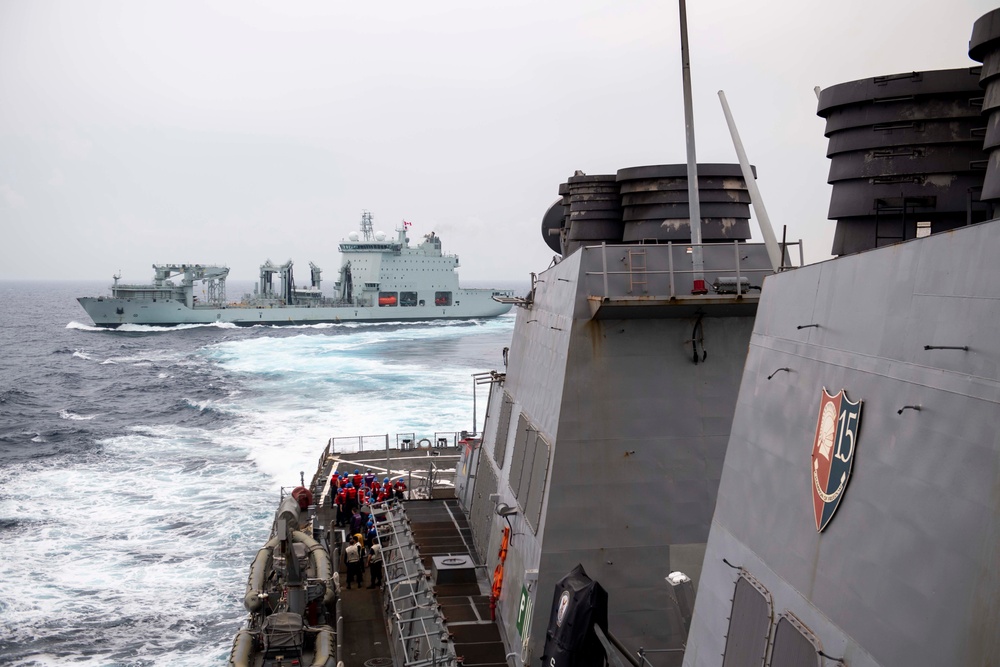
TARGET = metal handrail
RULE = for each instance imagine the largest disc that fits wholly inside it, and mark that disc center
(737, 267)
(408, 440)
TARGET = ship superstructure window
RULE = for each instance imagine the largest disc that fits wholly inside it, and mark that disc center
(528, 470)
(794, 644)
(923, 229)
(387, 299)
(503, 428)
(442, 298)
(407, 299)
(749, 625)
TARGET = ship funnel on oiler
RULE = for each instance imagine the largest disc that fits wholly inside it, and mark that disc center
(906, 155)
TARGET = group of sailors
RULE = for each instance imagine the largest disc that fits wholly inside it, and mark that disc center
(351, 492)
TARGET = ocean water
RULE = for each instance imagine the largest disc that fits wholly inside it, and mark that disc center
(140, 468)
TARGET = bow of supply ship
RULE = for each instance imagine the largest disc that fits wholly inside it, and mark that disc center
(380, 279)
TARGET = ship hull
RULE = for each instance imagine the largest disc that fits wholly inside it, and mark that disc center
(111, 313)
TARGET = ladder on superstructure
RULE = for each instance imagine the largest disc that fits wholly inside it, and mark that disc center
(637, 270)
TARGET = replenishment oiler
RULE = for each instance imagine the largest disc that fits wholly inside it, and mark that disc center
(381, 279)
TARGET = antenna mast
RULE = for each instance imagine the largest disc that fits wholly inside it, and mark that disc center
(694, 204)
(367, 229)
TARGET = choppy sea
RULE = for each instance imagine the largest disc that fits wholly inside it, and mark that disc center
(140, 467)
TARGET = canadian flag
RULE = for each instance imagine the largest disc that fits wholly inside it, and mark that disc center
(407, 224)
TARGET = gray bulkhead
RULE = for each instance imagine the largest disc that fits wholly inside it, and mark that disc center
(629, 435)
(906, 571)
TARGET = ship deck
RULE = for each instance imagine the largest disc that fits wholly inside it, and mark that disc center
(439, 528)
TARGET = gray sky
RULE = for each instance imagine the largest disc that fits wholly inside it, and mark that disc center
(230, 132)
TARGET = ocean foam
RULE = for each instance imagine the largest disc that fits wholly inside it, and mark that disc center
(150, 532)
(66, 414)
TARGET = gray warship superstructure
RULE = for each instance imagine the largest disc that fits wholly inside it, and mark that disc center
(600, 452)
(857, 521)
(812, 449)
(381, 279)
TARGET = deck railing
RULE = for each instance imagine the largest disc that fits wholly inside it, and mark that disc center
(402, 441)
(665, 270)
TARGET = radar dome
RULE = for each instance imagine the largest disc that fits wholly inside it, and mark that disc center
(354, 236)
(380, 236)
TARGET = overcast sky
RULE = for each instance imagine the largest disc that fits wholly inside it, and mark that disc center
(230, 132)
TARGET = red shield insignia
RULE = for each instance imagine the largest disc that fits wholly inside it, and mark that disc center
(833, 453)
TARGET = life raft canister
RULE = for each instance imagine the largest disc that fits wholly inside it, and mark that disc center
(387, 301)
(302, 496)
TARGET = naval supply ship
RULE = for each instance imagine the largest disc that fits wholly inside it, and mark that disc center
(380, 279)
(667, 421)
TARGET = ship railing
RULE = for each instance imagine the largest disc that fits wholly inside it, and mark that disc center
(418, 631)
(401, 441)
(666, 270)
(413, 458)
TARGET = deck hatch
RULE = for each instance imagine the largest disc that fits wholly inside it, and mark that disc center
(749, 625)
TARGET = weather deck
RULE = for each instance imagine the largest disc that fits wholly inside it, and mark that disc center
(439, 528)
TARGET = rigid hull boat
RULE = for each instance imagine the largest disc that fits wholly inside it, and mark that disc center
(381, 279)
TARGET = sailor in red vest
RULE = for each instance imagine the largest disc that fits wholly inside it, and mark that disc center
(356, 479)
(400, 488)
(384, 493)
(375, 486)
(352, 498)
(341, 507)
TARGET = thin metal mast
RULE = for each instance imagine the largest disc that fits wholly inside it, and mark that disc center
(770, 241)
(694, 204)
